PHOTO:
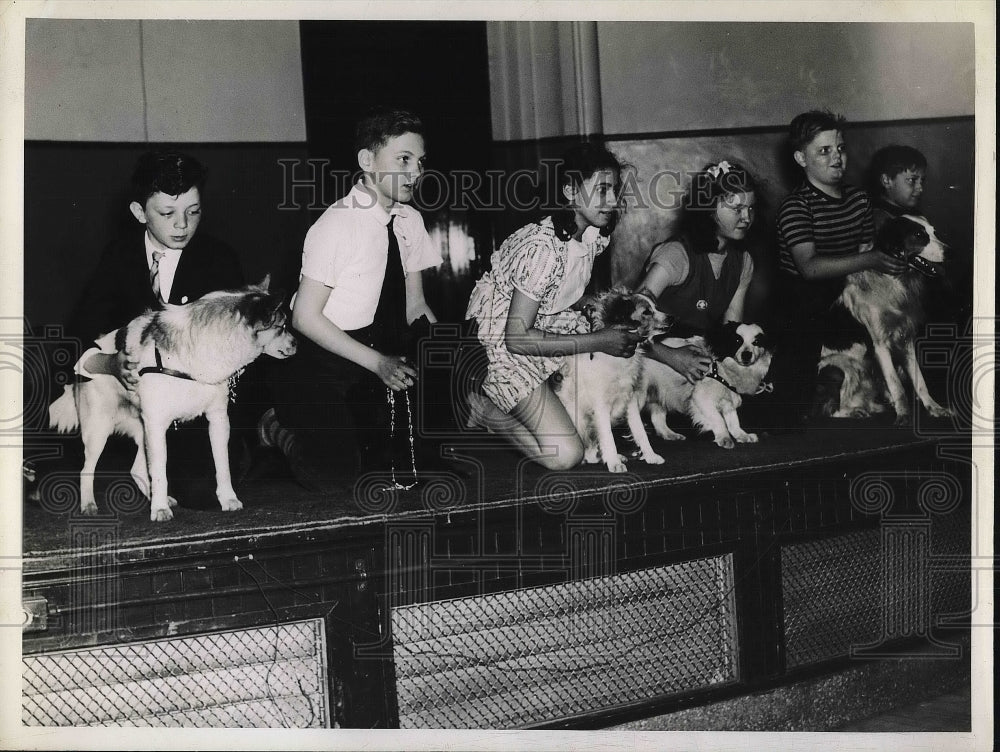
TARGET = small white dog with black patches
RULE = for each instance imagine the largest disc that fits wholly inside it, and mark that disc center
(741, 359)
(599, 390)
(188, 355)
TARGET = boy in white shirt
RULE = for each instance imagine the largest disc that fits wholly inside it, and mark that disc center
(359, 291)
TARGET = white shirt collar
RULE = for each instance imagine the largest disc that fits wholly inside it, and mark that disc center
(362, 199)
(590, 235)
(171, 253)
(580, 248)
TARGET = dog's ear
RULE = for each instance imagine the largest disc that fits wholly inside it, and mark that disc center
(618, 310)
(265, 283)
(723, 339)
(279, 296)
(258, 309)
(891, 234)
(763, 340)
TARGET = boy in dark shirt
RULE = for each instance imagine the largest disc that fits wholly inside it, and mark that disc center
(825, 232)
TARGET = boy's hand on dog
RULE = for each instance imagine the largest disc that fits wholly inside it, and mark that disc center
(883, 262)
(396, 372)
(126, 370)
(618, 341)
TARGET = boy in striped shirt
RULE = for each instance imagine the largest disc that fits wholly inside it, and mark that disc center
(825, 232)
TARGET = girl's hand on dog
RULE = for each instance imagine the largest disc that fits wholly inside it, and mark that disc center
(618, 341)
(396, 372)
(691, 362)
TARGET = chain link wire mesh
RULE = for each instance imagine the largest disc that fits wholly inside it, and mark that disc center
(832, 596)
(870, 587)
(523, 657)
(266, 677)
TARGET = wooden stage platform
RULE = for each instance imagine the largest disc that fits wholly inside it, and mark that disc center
(525, 598)
(276, 505)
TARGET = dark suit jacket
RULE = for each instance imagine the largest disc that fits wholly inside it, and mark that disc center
(119, 288)
(119, 291)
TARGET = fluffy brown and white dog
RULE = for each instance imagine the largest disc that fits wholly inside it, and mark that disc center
(598, 390)
(188, 355)
(741, 359)
(891, 310)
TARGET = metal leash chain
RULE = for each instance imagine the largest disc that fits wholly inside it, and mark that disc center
(396, 485)
(233, 380)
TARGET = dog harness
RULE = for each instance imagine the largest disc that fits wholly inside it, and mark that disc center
(159, 368)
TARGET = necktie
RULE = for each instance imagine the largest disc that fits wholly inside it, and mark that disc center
(154, 275)
(391, 311)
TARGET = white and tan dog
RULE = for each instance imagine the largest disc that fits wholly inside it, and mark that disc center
(598, 390)
(891, 309)
(741, 359)
(187, 357)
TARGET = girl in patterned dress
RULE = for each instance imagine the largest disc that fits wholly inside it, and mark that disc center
(523, 308)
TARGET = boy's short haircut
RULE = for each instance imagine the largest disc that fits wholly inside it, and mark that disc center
(805, 126)
(894, 159)
(169, 172)
(380, 124)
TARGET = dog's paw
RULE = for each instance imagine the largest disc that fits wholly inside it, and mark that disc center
(903, 420)
(160, 514)
(171, 502)
(937, 411)
(858, 412)
(591, 456)
(653, 459)
(231, 505)
(88, 508)
(748, 438)
(617, 467)
(670, 435)
(726, 442)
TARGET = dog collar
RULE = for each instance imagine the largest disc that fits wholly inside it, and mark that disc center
(158, 368)
(921, 265)
(713, 373)
(918, 264)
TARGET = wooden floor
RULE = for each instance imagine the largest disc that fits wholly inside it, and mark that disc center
(950, 712)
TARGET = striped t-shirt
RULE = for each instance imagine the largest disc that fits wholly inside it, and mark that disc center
(837, 227)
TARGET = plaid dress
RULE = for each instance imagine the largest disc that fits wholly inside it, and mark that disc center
(534, 261)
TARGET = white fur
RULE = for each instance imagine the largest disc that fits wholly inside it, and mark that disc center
(599, 390)
(208, 340)
(711, 405)
(890, 308)
(858, 395)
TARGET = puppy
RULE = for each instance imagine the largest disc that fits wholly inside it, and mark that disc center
(741, 359)
(188, 357)
(891, 311)
(598, 390)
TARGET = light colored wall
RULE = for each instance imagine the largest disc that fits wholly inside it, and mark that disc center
(651, 77)
(688, 76)
(163, 81)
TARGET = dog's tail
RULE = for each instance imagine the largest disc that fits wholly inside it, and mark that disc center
(63, 415)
